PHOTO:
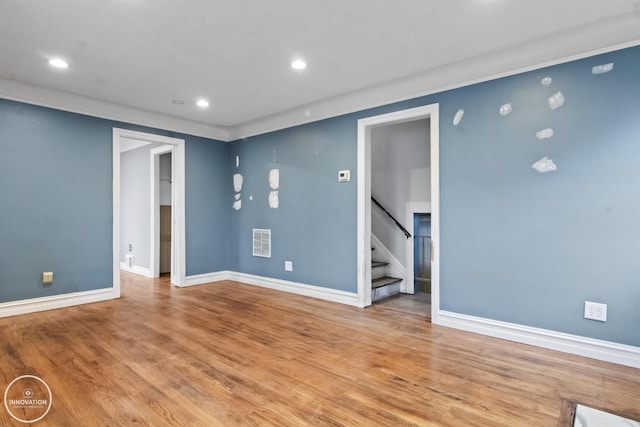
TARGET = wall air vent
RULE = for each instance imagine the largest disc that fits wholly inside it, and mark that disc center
(262, 243)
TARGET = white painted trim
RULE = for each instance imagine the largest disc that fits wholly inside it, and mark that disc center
(533, 55)
(519, 59)
(327, 294)
(395, 267)
(65, 101)
(33, 305)
(178, 269)
(115, 262)
(201, 279)
(136, 269)
(435, 210)
(365, 125)
(412, 208)
(154, 215)
(567, 343)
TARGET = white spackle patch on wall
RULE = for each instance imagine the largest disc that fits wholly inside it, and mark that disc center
(505, 109)
(237, 196)
(237, 182)
(601, 69)
(274, 179)
(458, 117)
(545, 164)
(237, 205)
(546, 81)
(556, 100)
(544, 134)
(237, 161)
(274, 202)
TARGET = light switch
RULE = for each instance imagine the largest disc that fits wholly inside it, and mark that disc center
(47, 277)
(344, 176)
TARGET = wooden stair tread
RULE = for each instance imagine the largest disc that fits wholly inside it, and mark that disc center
(384, 281)
(375, 264)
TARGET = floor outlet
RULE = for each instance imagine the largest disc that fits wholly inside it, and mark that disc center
(595, 311)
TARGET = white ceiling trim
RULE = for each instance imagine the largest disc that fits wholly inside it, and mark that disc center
(58, 100)
(530, 56)
(515, 60)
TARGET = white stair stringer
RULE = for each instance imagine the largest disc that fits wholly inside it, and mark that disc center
(387, 273)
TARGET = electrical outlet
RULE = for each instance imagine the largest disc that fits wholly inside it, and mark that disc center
(595, 311)
(288, 266)
(47, 277)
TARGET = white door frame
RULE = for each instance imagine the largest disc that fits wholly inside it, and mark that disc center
(178, 270)
(154, 232)
(364, 197)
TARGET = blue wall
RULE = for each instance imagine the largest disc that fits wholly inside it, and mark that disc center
(516, 245)
(530, 248)
(56, 201)
(315, 222)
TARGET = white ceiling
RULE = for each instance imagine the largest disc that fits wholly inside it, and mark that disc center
(136, 56)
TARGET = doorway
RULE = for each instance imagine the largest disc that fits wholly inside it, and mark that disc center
(177, 148)
(365, 127)
(162, 210)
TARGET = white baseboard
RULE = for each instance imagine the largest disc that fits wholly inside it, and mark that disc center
(567, 343)
(146, 272)
(328, 294)
(200, 279)
(33, 305)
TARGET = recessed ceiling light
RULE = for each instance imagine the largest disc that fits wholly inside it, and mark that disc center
(298, 64)
(58, 63)
(202, 103)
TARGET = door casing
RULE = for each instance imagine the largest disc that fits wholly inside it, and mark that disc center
(365, 126)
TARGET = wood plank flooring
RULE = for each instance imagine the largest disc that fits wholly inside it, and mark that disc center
(230, 354)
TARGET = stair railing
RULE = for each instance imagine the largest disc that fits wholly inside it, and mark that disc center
(404, 230)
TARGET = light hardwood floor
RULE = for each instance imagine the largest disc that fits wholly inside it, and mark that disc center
(230, 354)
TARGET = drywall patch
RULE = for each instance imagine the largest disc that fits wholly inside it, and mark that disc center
(274, 179)
(544, 165)
(505, 109)
(274, 201)
(237, 161)
(544, 134)
(546, 81)
(237, 186)
(556, 100)
(237, 182)
(603, 68)
(458, 117)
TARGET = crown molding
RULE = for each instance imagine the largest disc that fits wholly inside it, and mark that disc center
(44, 97)
(560, 47)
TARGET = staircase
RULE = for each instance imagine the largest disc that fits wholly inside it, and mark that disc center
(382, 285)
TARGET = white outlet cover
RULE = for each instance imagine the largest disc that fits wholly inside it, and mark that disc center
(288, 266)
(595, 311)
(344, 175)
